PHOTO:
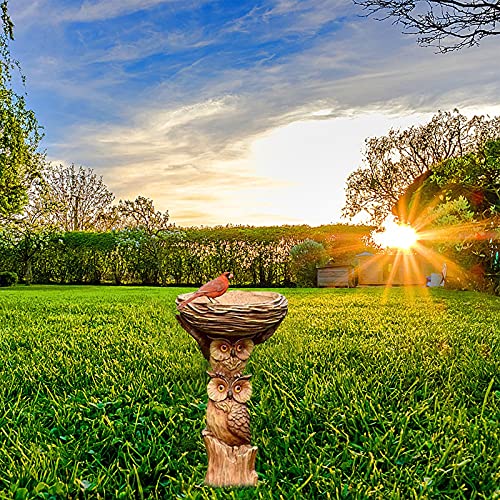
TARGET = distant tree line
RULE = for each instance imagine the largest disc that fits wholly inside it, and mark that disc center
(172, 256)
(70, 231)
(135, 256)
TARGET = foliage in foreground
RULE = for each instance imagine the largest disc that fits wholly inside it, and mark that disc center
(459, 207)
(20, 134)
(361, 393)
(393, 162)
(7, 278)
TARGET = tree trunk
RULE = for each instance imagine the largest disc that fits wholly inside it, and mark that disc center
(28, 275)
(229, 465)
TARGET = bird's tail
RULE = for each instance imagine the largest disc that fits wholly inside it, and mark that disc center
(184, 303)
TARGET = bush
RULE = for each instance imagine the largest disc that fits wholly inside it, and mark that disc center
(306, 256)
(7, 278)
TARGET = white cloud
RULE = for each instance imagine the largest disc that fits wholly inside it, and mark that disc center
(293, 173)
(218, 141)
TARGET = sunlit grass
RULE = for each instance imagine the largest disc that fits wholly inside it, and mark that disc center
(361, 393)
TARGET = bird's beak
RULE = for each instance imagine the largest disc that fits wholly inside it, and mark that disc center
(230, 393)
(230, 276)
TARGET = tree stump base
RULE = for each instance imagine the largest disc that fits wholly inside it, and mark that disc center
(229, 465)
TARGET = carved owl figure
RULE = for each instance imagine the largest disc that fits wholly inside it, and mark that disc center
(227, 414)
(230, 358)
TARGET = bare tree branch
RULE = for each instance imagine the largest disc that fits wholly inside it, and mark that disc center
(78, 198)
(141, 213)
(445, 24)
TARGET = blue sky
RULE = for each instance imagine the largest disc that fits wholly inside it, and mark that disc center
(232, 112)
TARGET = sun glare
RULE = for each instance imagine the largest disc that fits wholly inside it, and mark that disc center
(395, 235)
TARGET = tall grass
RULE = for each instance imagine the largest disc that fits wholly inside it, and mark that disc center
(361, 393)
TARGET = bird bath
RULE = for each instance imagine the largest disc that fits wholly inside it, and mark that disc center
(226, 332)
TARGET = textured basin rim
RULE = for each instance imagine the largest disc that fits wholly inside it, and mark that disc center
(274, 300)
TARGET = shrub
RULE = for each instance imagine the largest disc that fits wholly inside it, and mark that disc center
(7, 278)
(306, 256)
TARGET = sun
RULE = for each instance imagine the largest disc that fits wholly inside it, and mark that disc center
(395, 235)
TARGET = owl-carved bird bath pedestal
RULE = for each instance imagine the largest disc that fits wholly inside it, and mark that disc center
(227, 331)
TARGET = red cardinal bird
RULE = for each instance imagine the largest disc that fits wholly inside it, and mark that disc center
(212, 289)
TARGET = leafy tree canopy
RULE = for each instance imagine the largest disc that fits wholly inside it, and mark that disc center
(393, 162)
(19, 131)
(75, 199)
(475, 177)
(141, 214)
(459, 205)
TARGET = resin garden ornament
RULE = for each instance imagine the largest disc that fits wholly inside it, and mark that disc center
(227, 327)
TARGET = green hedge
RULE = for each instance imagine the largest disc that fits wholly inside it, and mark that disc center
(257, 256)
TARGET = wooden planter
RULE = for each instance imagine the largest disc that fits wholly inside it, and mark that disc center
(227, 331)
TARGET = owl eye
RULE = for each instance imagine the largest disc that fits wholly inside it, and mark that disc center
(221, 387)
(239, 348)
(224, 347)
(237, 388)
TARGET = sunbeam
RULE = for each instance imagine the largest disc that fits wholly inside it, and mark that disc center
(395, 235)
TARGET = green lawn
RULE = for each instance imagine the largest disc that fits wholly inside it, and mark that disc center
(361, 393)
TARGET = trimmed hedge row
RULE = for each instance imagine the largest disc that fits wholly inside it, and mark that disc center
(256, 256)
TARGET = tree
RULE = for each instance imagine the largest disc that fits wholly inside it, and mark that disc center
(26, 237)
(306, 256)
(445, 24)
(20, 133)
(141, 214)
(78, 199)
(393, 162)
(28, 233)
(459, 207)
(157, 238)
(474, 176)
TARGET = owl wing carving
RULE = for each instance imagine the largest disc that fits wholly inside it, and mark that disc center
(238, 422)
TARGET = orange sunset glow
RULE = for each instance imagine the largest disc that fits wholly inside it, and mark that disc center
(395, 235)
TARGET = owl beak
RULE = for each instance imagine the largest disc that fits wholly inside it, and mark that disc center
(233, 354)
(230, 393)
